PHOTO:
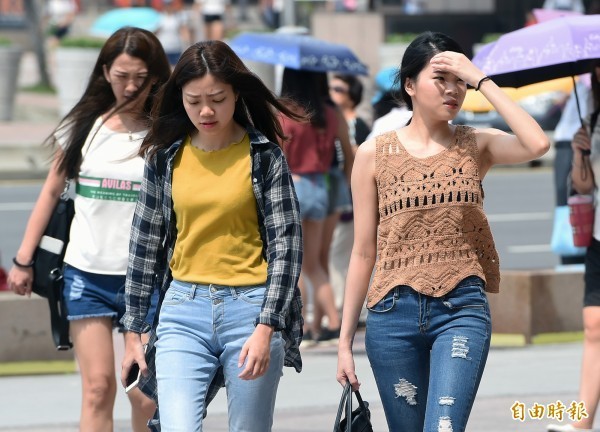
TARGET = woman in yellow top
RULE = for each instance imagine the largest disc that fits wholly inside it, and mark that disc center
(421, 215)
(218, 227)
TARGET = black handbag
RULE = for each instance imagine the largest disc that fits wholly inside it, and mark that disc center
(358, 420)
(48, 267)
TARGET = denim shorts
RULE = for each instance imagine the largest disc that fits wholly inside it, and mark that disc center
(339, 192)
(313, 196)
(92, 295)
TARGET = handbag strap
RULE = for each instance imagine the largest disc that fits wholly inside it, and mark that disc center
(349, 409)
(361, 403)
(341, 407)
(346, 405)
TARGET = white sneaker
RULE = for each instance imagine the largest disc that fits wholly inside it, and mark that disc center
(566, 428)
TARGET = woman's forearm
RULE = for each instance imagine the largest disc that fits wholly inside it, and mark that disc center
(357, 284)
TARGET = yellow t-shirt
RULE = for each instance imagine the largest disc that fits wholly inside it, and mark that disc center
(218, 240)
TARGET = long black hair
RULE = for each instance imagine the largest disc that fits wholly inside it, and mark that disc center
(417, 56)
(309, 90)
(98, 97)
(256, 105)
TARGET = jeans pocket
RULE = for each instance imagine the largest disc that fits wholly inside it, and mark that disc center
(470, 293)
(386, 304)
(252, 295)
(175, 296)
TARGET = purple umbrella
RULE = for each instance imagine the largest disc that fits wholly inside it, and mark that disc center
(557, 48)
(561, 47)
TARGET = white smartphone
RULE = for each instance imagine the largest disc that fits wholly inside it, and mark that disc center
(133, 377)
(52, 244)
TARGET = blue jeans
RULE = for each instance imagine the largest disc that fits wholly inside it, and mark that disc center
(428, 355)
(203, 327)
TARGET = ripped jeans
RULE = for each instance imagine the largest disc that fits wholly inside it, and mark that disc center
(428, 355)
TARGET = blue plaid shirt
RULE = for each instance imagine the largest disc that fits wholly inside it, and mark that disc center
(154, 232)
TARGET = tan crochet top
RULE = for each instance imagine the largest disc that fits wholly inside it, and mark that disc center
(432, 230)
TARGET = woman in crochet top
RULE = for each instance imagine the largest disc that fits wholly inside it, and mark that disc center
(422, 227)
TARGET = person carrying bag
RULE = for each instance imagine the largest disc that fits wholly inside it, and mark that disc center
(358, 420)
(97, 145)
(48, 262)
(421, 226)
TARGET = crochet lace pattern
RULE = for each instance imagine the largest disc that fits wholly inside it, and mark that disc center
(432, 230)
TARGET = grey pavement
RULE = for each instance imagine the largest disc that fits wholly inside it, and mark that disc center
(542, 374)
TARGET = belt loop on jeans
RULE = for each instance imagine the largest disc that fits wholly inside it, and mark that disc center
(193, 291)
(234, 293)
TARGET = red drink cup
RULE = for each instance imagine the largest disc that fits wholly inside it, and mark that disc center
(581, 216)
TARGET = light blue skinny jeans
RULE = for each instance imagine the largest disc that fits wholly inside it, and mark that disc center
(428, 355)
(203, 327)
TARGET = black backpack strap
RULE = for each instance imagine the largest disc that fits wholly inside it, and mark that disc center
(58, 313)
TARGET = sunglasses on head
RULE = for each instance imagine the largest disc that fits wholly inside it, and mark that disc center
(338, 89)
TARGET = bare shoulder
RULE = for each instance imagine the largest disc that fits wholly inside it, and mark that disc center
(364, 160)
(365, 155)
(366, 149)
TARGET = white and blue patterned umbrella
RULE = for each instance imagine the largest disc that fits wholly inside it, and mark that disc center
(298, 52)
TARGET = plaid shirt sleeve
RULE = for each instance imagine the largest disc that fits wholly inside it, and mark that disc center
(145, 250)
(284, 242)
